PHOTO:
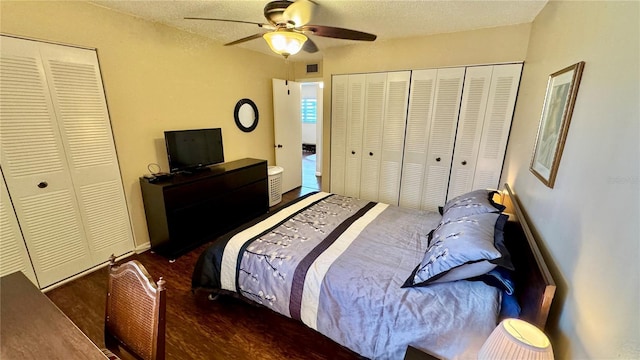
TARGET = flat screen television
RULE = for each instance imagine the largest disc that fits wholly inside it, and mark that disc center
(190, 150)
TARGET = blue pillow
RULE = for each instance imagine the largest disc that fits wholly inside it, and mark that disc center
(501, 278)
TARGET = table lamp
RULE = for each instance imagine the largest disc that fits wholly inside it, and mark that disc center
(516, 339)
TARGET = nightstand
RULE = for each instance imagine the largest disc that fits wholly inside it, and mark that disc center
(416, 354)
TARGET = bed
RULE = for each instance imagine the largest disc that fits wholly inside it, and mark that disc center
(370, 276)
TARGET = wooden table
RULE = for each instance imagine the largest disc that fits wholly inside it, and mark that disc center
(32, 327)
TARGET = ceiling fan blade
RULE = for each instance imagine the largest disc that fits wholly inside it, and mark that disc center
(267, 26)
(337, 33)
(309, 46)
(300, 12)
(254, 36)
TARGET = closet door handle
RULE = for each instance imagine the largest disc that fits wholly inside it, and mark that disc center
(43, 184)
(464, 162)
(438, 159)
(353, 152)
(370, 154)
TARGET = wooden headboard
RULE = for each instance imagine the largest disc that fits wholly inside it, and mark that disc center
(534, 285)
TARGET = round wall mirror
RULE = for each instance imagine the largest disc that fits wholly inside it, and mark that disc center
(246, 115)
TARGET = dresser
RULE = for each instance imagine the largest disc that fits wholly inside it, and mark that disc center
(187, 210)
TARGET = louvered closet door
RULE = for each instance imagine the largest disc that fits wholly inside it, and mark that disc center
(355, 120)
(78, 97)
(375, 91)
(472, 110)
(446, 106)
(495, 133)
(13, 252)
(394, 125)
(339, 108)
(421, 96)
(35, 167)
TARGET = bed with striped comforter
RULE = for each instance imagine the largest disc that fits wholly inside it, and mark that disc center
(337, 264)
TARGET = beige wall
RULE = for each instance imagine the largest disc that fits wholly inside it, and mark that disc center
(485, 46)
(589, 221)
(157, 78)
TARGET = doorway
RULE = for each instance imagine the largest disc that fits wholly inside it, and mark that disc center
(311, 117)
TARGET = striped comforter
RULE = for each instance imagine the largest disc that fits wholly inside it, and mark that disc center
(336, 263)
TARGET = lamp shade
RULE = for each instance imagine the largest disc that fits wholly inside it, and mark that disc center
(516, 339)
(285, 42)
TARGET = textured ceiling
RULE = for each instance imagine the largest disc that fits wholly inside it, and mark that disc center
(387, 19)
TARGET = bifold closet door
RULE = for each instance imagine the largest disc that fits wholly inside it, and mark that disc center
(423, 84)
(483, 128)
(355, 123)
(505, 82)
(59, 159)
(13, 252)
(394, 125)
(339, 108)
(474, 103)
(374, 100)
(431, 129)
(347, 111)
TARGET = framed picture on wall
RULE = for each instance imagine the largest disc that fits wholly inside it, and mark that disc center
(562, 89)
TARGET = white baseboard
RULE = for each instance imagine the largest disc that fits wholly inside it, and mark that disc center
(81, 274)
(142, 248)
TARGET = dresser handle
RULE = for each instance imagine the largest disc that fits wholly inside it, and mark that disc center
(370, 154)
(464, 162)
(438, 159)
(353, 152)
(43, 184)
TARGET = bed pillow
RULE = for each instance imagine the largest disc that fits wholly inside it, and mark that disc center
(474, 202)
(502, 279)
(457, 244)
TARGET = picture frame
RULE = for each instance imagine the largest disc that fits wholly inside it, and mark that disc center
(560, 97)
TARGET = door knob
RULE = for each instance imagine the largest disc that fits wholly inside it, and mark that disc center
(279, 146)
(43, 184)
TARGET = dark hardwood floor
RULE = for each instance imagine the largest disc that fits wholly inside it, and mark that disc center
(198, 328)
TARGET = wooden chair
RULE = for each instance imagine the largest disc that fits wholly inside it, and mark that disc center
(135, 313)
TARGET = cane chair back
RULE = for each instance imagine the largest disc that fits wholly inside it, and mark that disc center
(135, 311)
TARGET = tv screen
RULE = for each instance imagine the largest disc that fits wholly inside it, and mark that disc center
(193, 149)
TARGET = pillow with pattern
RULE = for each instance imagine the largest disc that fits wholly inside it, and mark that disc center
(474, 202)
(460, 243)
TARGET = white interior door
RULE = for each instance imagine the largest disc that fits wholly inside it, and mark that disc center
(288, 132)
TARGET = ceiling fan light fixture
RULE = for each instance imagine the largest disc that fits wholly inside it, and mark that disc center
(285, 42)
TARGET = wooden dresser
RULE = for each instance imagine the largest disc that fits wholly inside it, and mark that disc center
(185, 211)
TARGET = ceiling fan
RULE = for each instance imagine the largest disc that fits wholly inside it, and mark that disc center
(288, 25)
